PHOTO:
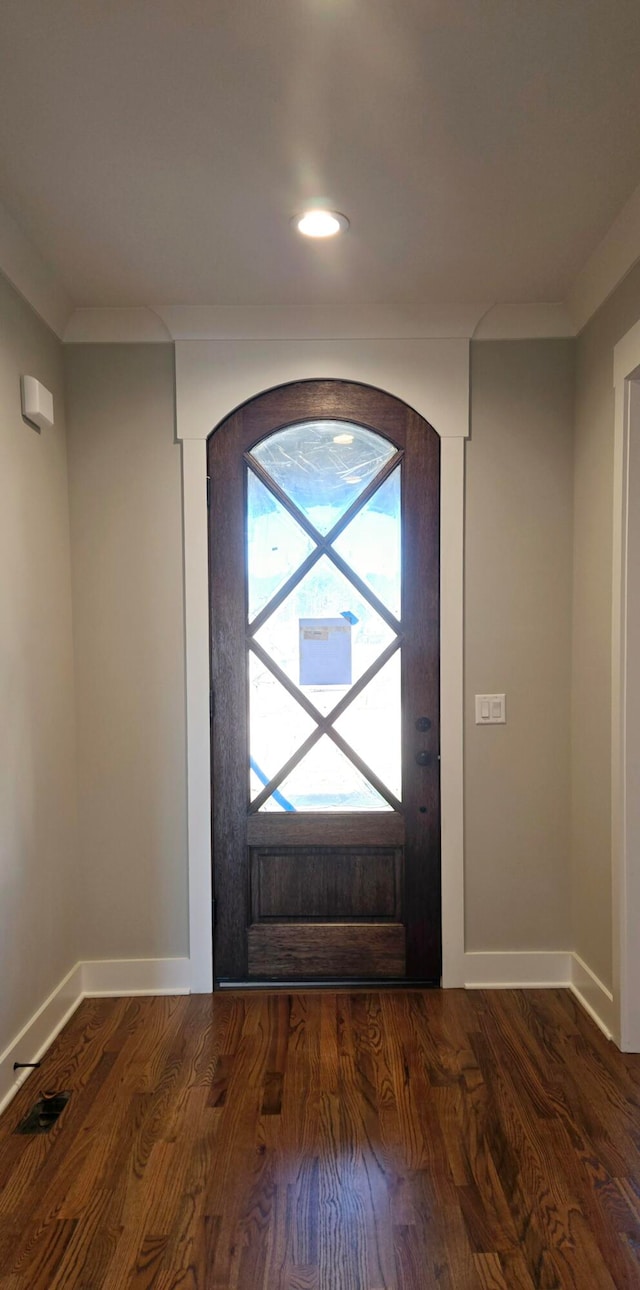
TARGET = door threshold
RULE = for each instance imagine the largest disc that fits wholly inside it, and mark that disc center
(332, 983)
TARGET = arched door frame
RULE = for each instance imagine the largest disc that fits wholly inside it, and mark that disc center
(214, 377)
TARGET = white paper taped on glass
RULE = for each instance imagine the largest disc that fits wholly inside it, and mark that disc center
(325, 651)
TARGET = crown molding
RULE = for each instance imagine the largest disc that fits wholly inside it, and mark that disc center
(273, 322)
(106, 325)
(299, 322)
(280, 323)
(31, 276)
(524, 322)
(612, 259)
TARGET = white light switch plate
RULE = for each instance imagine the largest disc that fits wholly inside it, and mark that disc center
(490, 710)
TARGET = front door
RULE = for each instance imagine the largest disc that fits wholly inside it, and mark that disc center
(324, 599)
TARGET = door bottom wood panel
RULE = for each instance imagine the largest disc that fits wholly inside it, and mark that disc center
(326, 949)
(327, 884)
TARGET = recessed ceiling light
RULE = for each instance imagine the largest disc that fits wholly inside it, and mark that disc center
(343, 438)
(319, 223)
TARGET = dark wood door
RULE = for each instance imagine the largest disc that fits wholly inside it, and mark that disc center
(324, 598)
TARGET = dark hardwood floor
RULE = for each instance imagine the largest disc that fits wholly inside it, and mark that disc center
(328, 1142)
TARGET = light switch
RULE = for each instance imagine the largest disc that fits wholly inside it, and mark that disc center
(490, 710)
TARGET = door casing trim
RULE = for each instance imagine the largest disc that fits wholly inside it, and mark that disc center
(625, 690)
(213, 378)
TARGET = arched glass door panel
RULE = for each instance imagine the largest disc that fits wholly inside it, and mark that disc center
(323, 532)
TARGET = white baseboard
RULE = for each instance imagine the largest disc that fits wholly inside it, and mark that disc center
(595, 998)
(516, 969)
(39, 1033)
(114, 977)
(109, 978)
(526, 970)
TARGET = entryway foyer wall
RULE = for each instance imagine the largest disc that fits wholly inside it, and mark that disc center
(121, 401)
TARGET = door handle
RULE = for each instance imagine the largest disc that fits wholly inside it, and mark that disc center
(425, 758)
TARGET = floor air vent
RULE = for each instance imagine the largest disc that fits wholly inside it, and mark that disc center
(44, 1114)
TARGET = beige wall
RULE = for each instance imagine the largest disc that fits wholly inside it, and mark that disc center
(124, 480)
(591, 693)
(38, 857)
(126, 526)
(518, 641)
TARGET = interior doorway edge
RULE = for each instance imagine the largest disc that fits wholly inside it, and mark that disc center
(625, 694)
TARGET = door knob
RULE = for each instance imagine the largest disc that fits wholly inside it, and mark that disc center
(423, 723)
(423, 757)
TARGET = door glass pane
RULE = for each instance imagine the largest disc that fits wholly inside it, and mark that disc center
(371, 725)
(276, 545)
(323, 465)
(371, 543)
(326, 780)
(319, 657)
(277, 725)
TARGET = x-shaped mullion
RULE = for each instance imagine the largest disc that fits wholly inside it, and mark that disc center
(325, 724)
(323, 544)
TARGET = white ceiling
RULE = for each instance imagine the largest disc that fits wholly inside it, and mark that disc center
(153, 150)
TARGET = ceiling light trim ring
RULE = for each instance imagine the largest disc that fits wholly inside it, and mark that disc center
(320, 223)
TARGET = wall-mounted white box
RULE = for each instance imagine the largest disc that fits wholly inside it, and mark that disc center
(37, 402)
(490, 710)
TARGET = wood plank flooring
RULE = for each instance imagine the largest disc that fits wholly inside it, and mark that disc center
(328, 1141)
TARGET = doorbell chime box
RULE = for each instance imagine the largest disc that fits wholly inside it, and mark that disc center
(37, 402)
